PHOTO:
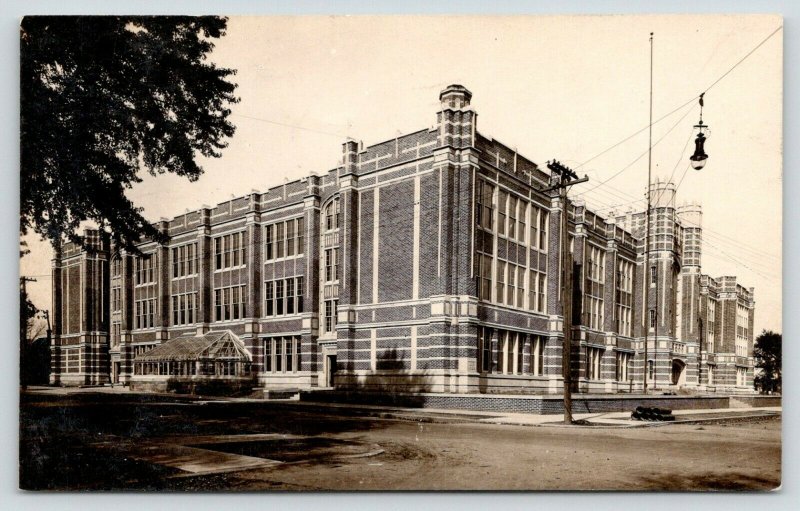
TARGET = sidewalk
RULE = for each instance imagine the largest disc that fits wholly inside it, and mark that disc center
(623, 419)
(607, 419)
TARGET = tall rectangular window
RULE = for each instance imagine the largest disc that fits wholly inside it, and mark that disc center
(217, 253)
(301, 235)
(226, 251)
(484, 349)
(329, 265)
(485, 277)
(521, 338)
(279, 297)
(653, 275)
(268, 355)
(623, 366)
(289, 353)
(226, 303)
(335, 264)
(502, 208)
(192, 254)
(269, 293)
(512, 217)
(280, 239)
(290, 296)
(235, 249)
(299, 295)
(593, 357)
(330, 315)
(270, 242)
(242, 301)
(542, 301)
(511, 288)
(501, 281)
(652, 319)
(543, 231)
(522, 228)
(510, 342)
(175, 262)
(290, 238)
(534, 238)
(484, 209)
(279, 354)
(537, 355)
(520, 287)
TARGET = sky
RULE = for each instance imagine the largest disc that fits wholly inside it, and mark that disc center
(566, 87)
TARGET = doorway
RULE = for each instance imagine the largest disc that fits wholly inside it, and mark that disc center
(330, 370)
(678, 372)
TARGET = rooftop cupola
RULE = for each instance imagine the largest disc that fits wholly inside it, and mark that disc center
(456, 119)
(455, 97)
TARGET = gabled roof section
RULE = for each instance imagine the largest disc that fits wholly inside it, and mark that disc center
(215, 345)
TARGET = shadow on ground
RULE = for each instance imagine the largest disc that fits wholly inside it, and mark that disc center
(732, 481)
(57, 433)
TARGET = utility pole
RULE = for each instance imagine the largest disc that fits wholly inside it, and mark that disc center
(23, 333)
(23, 280)
(46, 314)
(647, 271)
(568, 177)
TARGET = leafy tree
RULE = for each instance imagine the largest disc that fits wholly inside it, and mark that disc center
(105, 96)
(767, 353)
(27, 312)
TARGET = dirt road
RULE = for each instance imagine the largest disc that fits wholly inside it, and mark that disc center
(146, 443)
(483, 457)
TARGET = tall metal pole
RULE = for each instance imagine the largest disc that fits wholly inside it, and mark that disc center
(646, 279)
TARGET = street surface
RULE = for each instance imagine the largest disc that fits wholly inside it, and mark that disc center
(120, 440)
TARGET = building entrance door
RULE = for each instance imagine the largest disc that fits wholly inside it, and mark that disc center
(678, 372)
(330, 370)
(115, 372)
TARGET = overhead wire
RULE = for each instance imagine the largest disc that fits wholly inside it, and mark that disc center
(626, 167)
(714, 83)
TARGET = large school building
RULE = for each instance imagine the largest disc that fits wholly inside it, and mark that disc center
(426, 263)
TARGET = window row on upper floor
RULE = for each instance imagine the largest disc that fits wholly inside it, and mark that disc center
(510, 216)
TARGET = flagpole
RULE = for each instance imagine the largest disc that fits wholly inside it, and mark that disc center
(646, 277)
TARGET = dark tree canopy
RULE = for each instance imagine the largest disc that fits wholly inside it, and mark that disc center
(767, 353)
(105, 96)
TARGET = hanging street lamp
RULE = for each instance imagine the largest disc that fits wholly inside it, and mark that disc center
(698, 159)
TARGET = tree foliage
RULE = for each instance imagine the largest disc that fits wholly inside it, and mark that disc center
(767, 353)
(105, 96)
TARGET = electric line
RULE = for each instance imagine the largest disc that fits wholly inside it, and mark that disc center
(684, 104)
(743, 58)
(312, 130)
(739, 263)
(626, 167)
(636, 133)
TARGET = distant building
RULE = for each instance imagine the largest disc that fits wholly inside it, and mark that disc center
(428, 262)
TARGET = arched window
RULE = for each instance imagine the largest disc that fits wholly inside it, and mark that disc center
(330, 215)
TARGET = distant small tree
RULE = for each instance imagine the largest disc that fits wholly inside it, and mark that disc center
(767, 352)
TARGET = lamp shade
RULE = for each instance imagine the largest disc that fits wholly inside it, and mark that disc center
(698, 164)
(698, 159)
